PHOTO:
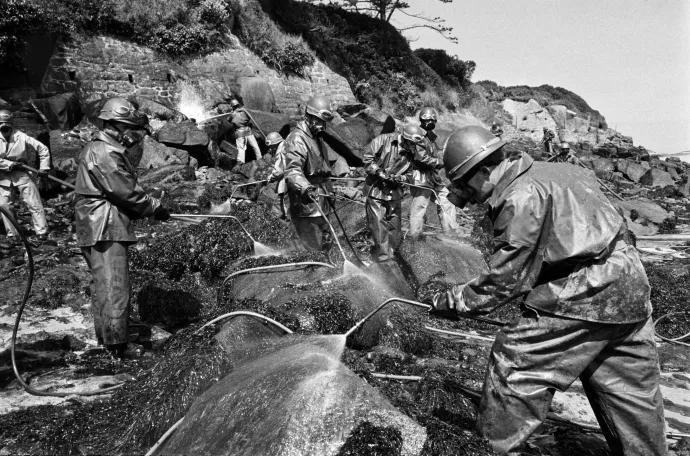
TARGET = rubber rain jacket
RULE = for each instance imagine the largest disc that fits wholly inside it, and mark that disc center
(558, 241)
(242, 123)
(426, 164)
(384, 200)
(109, 194)
(306, 163)
(15, 151)
(279, 169)
(384, 154)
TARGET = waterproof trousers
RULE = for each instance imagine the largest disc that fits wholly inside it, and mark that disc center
(384, 217)
(313, 232)
(446, 210)
(109, 290)
(241, 144)
(29, 194)
(536, 355)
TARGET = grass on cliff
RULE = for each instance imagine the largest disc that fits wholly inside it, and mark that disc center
(372, 55)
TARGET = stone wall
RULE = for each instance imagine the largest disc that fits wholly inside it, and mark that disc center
(103, 67)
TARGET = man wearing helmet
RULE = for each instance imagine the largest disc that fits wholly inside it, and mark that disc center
(547, 140)
(276, 146)
(428, 174)
(13, 152)
(108, 198)
(308, 172)
(387, 161)
(243, 132)
(586, 312)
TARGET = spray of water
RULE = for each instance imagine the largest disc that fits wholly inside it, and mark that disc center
(191, 102)
(263, 250)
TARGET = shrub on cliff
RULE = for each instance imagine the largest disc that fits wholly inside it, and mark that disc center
(278, 49)
(454, 71)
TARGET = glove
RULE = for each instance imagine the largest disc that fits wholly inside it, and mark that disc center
(161, 213)
(273, 178)
(312, 193)
(43, 173)
(443, 306)
(449, 304)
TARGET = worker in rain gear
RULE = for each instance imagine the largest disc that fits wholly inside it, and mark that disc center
(428, 173)
(242, 122)
(586, 312)
(496, 129)
(108, 198)
(276, 146)
(308, 172)
(547, 140)
(387, 162)
(14, 152)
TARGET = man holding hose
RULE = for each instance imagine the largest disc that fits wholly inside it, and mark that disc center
(14, 152)
(308, 174)
(107, 199)
(586, 312)
(388, 161)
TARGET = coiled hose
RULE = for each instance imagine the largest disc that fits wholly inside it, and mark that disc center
(13, 343)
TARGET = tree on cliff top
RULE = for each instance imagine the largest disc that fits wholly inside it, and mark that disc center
(384, 9)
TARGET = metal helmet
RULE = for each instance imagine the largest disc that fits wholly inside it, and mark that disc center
(565, 145)
(273, 139)
(6, 117)
(234, 103)
(120, 110)
(413, 133)
(428, 113)
(320, 107)
(467, 147)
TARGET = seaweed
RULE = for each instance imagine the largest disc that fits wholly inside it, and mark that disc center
(371, 440)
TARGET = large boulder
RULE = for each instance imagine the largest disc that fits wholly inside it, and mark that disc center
(441, 258)
(602, 167)
(269, 122)
(63, 111)
(256, 94)
(632, 170)
(157, 155)
(186, 136)
(63, 146)
(657, 178)
(643, 208)
(291, 395)
(156, 110)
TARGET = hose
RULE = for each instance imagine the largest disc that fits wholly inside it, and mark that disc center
(244, 185)
(250, 314)
(275, 266)
(675, 340)
(13, 342)
(337, 217)
(412, 303)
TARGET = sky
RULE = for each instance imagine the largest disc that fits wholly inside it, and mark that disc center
(629, 59)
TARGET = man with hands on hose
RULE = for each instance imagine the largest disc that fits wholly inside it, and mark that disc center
(276, 146)
(387, 161)
(307, 173)
(13, 152)
(428, 174)
(586, 312)
(108, 198)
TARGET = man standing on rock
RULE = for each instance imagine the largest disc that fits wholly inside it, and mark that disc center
(586, 312)
(427, 173)
(13, 152)
(387, 161)
(108, 198)
(276, 146)
(308, 173)
(243, 132)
